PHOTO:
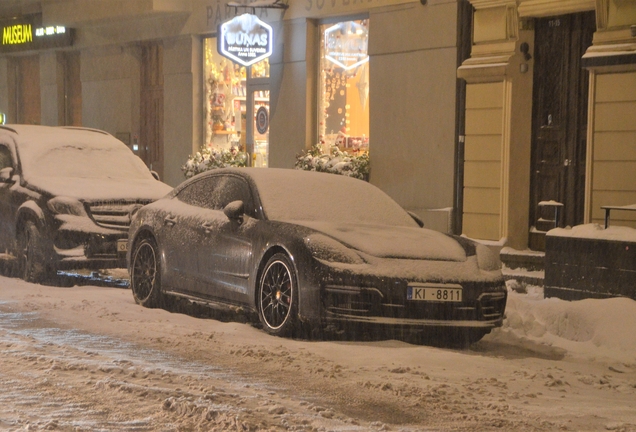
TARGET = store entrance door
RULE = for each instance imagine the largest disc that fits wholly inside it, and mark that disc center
(257, 128)
(559, 124)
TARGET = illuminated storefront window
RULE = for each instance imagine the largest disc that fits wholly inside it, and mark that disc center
(227, 93)
(344, 85)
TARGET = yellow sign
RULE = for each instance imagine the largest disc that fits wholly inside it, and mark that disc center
(17, 34)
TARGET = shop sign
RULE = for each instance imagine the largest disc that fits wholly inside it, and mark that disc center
(245, 39)
(25, 34)
(346, 44)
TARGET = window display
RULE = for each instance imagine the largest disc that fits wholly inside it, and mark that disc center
(227, 98)
(344, 86)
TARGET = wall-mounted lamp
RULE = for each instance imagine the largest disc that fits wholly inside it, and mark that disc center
(525, 48)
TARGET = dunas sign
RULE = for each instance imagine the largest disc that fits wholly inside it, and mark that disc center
(245, 39)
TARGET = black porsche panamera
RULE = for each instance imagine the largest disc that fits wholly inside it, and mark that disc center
(305, 250)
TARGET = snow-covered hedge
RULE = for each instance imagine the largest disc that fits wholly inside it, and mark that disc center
(207, 158)
(337, 162)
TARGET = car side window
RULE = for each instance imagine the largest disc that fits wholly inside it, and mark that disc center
(5, 157)
(216, 192)
(200, 193)
(232, 188)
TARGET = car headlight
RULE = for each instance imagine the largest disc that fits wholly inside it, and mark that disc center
(66, 205)
(327, 249)
(486, 259)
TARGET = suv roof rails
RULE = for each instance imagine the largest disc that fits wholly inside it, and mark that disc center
(85, 129)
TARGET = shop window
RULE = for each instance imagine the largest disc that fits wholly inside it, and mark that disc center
(344, 86)
(229, 90)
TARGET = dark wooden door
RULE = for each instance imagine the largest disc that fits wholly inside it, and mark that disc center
(25, 80)
(71, 110)
(151, 125)
(559, 123)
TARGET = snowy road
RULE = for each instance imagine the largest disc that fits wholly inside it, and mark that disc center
(87, 358)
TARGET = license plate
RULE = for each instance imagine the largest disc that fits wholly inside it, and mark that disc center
(122, 245)
(435, 293)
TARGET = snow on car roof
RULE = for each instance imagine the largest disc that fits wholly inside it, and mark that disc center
(290, 194)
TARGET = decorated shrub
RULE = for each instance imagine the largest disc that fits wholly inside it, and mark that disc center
(336, 162)
(207, 158)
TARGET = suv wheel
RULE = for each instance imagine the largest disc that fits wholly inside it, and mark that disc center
(32, 259)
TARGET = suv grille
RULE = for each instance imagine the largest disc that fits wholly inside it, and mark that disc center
(115, 214)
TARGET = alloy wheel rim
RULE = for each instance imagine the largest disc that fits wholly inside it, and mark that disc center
(144, 271)
(276, 295)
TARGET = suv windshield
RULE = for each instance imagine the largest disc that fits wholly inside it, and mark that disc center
(84, 161)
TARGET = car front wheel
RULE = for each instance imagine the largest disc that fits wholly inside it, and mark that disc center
(32, 259)
(145, 275)
(278, 296)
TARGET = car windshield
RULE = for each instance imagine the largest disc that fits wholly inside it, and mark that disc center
(80, 154)
(83, 162)
(311, 196)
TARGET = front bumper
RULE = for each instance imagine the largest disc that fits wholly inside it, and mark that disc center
(364, 305)
(79, 249)
(350, 297)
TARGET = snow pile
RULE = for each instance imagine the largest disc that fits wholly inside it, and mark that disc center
(595, 231)
(592, 328)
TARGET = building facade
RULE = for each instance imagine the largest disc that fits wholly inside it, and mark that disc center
(550, 135)
(377, 76)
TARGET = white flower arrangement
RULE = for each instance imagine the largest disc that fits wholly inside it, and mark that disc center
(208, 158)
(336, 162)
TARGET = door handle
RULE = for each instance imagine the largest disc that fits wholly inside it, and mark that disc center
(207, 227)
(170, 220)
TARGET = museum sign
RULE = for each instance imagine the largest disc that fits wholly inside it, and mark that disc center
(26, 34)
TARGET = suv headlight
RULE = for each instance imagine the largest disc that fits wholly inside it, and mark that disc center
(66, 205)
(327, 249)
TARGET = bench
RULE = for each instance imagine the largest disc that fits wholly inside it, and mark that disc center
(607, 209)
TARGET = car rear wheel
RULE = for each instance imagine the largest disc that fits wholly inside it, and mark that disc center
(145, 275)
(32, 259)
(278, 296)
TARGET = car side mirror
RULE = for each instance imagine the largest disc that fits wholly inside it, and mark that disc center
(234, 211)
(6, 174)
(416, 218)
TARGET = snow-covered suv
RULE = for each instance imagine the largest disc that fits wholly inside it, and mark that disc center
(67, 196)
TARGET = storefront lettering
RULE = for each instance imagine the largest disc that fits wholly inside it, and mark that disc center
(319, 4)
(25, 34)
(17, 34)
(220, 12)
(246, 39)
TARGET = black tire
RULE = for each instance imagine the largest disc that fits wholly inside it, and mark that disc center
(461, 338)
(145, 275)
(277, 297)
(33, 262)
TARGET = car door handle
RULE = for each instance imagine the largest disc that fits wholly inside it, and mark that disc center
(170, 220)
(207, 227)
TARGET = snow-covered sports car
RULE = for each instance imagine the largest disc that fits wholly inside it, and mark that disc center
(305, 249)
